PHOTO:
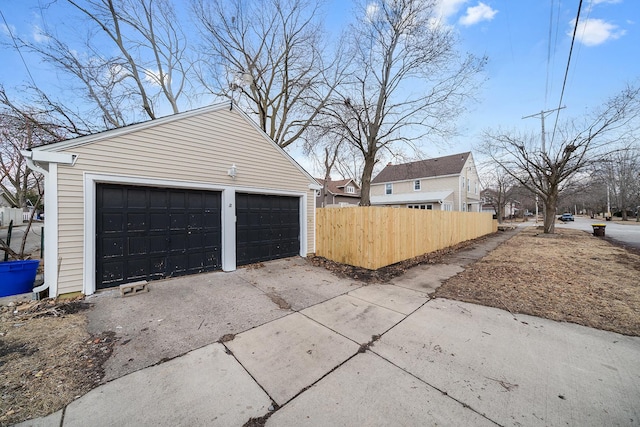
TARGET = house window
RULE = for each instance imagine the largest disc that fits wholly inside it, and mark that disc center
(416, 185)
(388, 188)
(475, 186)
(468, 184)
(427, 207)
(447, 207)
(462, 182)
(350, 189)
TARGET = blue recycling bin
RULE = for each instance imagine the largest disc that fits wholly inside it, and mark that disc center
(17, 277)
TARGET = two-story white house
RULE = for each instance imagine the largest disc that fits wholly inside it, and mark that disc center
(449, 183)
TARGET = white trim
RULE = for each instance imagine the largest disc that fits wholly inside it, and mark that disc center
(303, 225)
(228, 223)
(228, 216)
(51, 229)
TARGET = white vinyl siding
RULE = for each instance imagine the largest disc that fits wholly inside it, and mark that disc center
(197, 149)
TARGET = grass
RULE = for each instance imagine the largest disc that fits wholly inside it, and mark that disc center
(570, 276)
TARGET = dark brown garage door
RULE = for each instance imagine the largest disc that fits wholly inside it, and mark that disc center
(267, 227)
(151, 233)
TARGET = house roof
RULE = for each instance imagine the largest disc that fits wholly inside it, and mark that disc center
(418, 197)
(338, 187)
(440, 166)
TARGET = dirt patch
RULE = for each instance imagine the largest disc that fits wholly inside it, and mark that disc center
(47, 358)
(387, 273)
(571, 276)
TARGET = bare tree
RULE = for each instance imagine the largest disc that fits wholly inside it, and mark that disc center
(499, 188)
(548, 173)
(407, 81)
(269, 54)
(20, 131)
(620, 170)
(132, 59)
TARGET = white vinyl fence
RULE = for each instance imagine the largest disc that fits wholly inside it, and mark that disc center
(8, 214)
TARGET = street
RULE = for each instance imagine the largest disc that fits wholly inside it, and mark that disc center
(628, 233)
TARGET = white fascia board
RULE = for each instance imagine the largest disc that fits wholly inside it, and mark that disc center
(53, 157)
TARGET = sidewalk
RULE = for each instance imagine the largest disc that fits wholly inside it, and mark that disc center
(381, 354)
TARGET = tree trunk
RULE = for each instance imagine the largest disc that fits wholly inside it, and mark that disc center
(550, 213)
(367, 171)
(500, 213)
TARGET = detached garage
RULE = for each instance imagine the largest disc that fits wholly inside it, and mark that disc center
(194, 192)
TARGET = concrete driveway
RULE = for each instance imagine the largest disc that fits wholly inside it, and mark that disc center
(303, 347)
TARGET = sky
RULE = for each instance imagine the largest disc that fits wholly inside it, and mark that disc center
(527, 43)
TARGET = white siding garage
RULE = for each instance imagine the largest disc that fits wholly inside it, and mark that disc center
(157, 199)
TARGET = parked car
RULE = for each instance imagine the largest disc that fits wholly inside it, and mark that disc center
(566, 217)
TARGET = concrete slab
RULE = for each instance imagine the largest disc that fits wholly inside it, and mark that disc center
(369, 391)
(289, 354)
(354, 318)
(204, 387)
(395, 298)
(53, 420)
(296, 283)
(427, 278)
(176, 316)
(528, 371)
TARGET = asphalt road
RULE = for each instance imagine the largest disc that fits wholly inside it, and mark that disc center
(628, 234)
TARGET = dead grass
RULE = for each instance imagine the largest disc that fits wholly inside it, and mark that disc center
(47, 358)
(570, 276)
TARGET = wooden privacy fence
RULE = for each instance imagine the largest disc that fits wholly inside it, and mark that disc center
(374, 237)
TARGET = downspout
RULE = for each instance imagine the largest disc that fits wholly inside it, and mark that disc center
(34, 158)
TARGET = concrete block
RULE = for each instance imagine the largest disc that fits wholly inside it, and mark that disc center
(134, 288)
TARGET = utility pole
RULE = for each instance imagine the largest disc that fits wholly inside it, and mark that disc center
(542, 115)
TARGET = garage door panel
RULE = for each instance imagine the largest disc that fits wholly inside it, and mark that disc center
(178, 243)
(137, 221)
(158, 244)
(178, 221)
(113, 272)
(158, 221)
(113, 222)
(114, 197)
(158, 199)
(177, 200)
(136, 198)
(113, 246)
(137, 245)
(150, 233)
(137, 268)
(196, 221)
(264, 229)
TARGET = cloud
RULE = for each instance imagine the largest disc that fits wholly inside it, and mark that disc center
(38, 35)
(593, 32)
(153, 77)
(479, 13)
(7, 30)
(446, 8)
(372, 11)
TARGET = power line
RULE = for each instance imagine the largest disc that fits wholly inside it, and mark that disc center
(15, 44)
(566, 72)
